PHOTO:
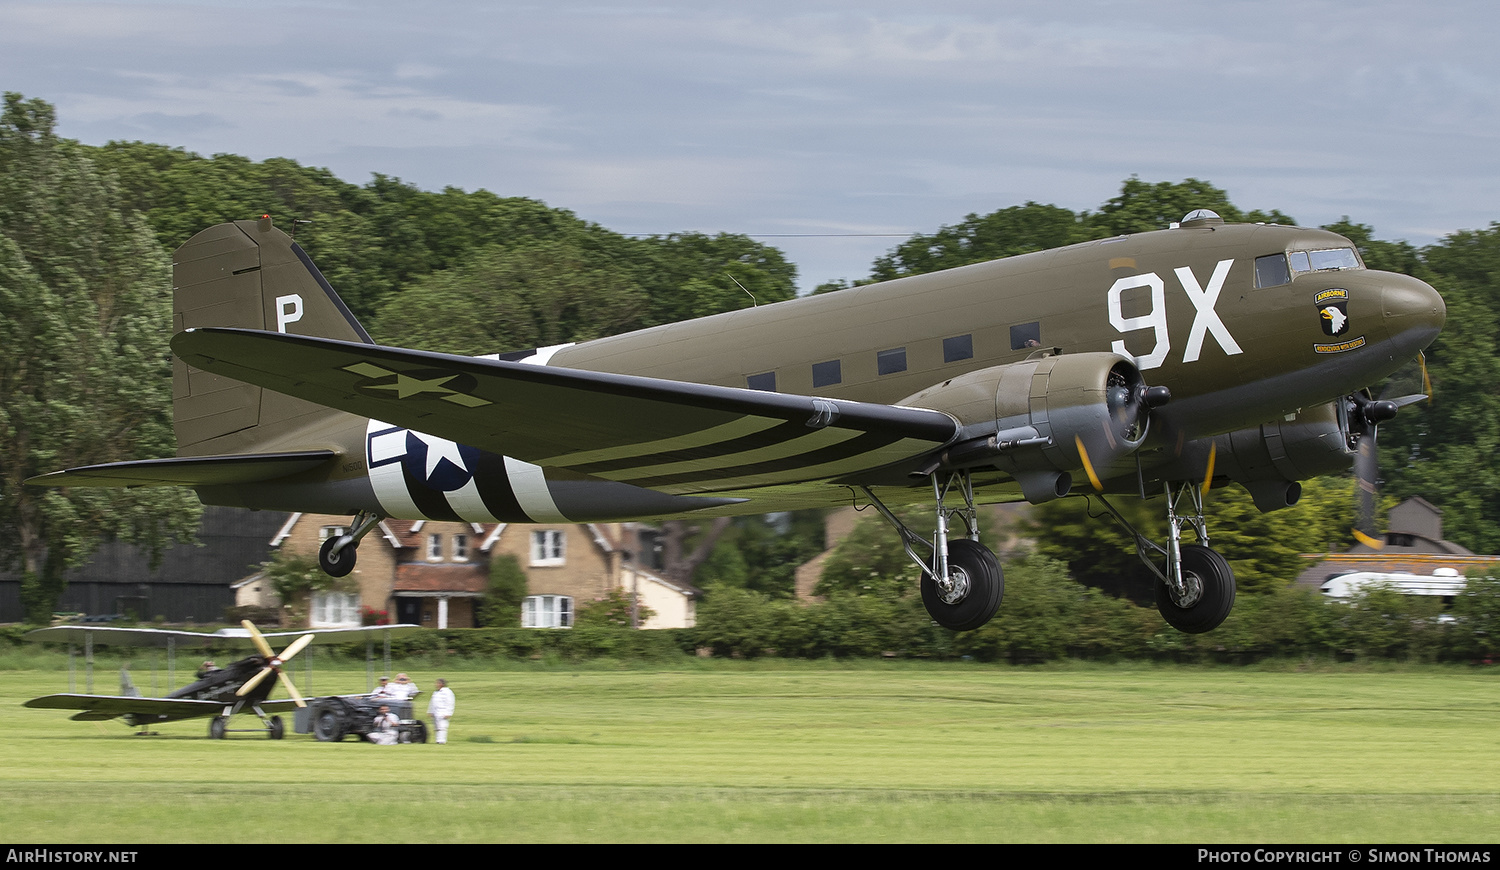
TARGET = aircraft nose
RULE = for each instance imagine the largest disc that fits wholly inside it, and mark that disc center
(1414, 312)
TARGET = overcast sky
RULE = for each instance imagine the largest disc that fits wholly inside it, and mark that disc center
(769, 117)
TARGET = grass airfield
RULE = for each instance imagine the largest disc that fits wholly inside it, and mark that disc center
(716, 751)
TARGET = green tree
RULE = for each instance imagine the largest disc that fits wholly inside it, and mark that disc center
(501, 605)
(85, 313)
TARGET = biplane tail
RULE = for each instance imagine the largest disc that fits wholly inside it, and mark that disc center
(127, 686)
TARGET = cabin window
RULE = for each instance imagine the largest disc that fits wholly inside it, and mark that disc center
(1026, 335)
(547, 547)
(889, 362)
(1272, 271)
(547, 611)
(764, 381)
(959, 347)
(827, 373)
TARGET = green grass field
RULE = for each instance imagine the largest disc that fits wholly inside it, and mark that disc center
(797, 751)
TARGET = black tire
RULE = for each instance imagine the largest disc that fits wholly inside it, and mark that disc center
(277, 729)
(329, 726)
(973, 563)
(336, 564)
(418, 732)
(1211, 592)
(217, 726)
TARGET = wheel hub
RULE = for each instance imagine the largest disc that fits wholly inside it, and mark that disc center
(1191, 592)
(956, 588)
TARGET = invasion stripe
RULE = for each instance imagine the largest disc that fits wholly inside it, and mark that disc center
(743, 426)
(868, 442)
(430, 503)
(529, 483)
(807, 443)
(713, 451)
(494, 488)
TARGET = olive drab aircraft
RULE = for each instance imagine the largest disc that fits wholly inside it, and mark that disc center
(1143, 365)
(242, 686)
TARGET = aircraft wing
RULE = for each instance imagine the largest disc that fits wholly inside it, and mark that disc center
(652, 432)
(99, 707)
(224, 638)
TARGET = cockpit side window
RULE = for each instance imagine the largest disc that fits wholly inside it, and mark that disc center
(1326, 260)
(1271, 271)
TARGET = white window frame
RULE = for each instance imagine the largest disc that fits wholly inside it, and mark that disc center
(547, 548)
(547, 611)
(332, 609)
(460, 548)
(434, 548)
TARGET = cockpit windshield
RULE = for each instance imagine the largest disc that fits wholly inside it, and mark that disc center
(1274, 270)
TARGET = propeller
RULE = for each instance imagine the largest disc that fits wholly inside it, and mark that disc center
(273, 663)
(1365, 414)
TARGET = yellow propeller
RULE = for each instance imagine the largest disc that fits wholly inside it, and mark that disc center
(273, 662)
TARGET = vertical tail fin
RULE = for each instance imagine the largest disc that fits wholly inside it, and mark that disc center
(247, 274)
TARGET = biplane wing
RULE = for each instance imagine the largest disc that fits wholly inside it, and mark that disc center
(101, 707)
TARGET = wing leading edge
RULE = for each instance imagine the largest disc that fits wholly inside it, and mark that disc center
(671, 436)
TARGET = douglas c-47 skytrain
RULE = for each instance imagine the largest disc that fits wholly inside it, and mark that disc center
(1140, 365)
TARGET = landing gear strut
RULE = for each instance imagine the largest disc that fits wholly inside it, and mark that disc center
(1195, 592)
(337, 555)
(962, 583)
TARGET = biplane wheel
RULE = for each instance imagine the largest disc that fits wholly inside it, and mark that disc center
(217, 726)
(336, 564)
(329, 726)
(978, 586)
(1209, 594)
(277, 729)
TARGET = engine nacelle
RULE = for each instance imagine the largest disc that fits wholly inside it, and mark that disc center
(1042, 419)
(1269, 459)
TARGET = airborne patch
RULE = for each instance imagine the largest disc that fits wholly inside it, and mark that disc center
(1333, 314)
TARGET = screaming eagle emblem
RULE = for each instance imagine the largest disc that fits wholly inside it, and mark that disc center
(1333, 317)
(1333, 311)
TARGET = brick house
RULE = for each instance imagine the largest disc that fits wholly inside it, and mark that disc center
(433, 573)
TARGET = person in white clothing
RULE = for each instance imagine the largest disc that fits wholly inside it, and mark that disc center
(440, 708)
(383, 731)
(402, 688)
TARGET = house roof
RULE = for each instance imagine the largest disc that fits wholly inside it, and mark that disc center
(418, 578)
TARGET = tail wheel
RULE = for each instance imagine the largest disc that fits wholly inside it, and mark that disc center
(336, 564)
(217, 726)
(277, 729)
(972, 595)
(1208, 593)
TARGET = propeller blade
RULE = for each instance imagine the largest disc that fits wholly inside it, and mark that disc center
(295, 647)
(1208, 478)
(1366, 475)
(1088, 467)
(291, 689)
(254, 681)
(258, 639)
(1426, 381)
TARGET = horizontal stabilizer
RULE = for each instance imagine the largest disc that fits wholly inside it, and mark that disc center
(189, 471)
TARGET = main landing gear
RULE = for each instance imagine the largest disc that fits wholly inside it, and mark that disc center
(337, 555)
(962, 583)
(1195, 592)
